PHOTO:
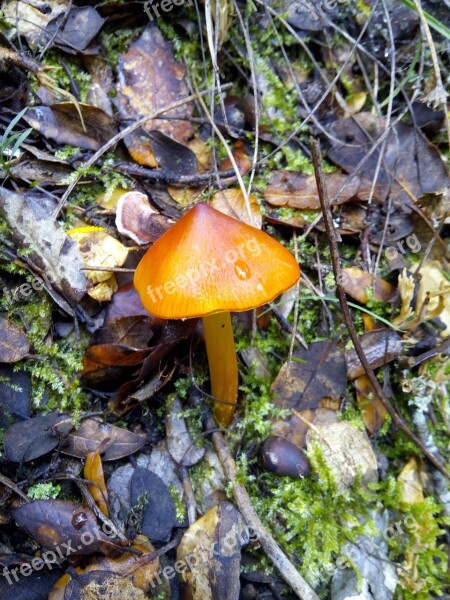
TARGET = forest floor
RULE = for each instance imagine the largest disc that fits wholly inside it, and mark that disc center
(323, 124)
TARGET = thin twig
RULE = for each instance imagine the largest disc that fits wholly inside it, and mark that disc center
(287, 570)
(334, 251)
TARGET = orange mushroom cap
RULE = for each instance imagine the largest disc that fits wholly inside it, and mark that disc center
(209, 263)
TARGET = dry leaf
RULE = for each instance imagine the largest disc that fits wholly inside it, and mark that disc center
(231, 202)
(410, 482)
(52, 250)
(93, 471)
(363, 286)
(14, 344)
(346, 450)
(150, 79)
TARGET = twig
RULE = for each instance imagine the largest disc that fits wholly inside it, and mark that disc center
(287, 570)
(159, 176)
(331, 233)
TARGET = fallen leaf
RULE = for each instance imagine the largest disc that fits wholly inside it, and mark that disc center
(15, 395)
(231, 202)
(73, 31)
(179, 442)
(156, 504)
(61, 123)
(314, 374)
(93, 471)
(410, 482)
(410, 167)
(98, 248)
(51, 249)
(211, 547)
(298, 190)
(136, 219)
(373, 411)
(150, 79)
(346, 450)
(380, 346)
(14, 344)
(65, 524)
(93, 431)
(35, 437)
(32, 20)
(363, 286)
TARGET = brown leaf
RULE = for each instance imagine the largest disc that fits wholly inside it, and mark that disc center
(363, 286)
(211, 547)
(127, 303)
(150, 79)
(61, 123)
(314, 374)
(132, 332)
(298, 190)
(71, 527)
(93, 431)
(411, 166)
(380, 346)
(14, 344)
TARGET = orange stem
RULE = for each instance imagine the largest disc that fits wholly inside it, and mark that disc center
(223, 369)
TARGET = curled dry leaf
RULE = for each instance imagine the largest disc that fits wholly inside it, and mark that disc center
(61, 123)
(51, 249)
(65, 524)
(98, 248)
(373, 411)
(411, 482)
(136, 219)
(431, 296)
(363, 286)
(93, 431)
(150, 79)
(14, 344)
(30, 439)
(93, 471)
(346, 450)
(380, 346)
(211, 548)
(297, 190)
(313, 374)
(179, 442)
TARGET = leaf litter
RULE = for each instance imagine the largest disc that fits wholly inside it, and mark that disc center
(313, 458)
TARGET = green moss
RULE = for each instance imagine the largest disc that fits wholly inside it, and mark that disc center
(180, 508)
(44, 491)
(57, 73)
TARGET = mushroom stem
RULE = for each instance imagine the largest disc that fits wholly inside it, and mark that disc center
(222, 362)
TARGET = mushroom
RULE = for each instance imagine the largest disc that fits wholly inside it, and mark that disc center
(207, 265)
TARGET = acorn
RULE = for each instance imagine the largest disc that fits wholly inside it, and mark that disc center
(280, 456)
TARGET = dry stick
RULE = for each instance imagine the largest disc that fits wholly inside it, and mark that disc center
(287, 570)
(331, 233)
